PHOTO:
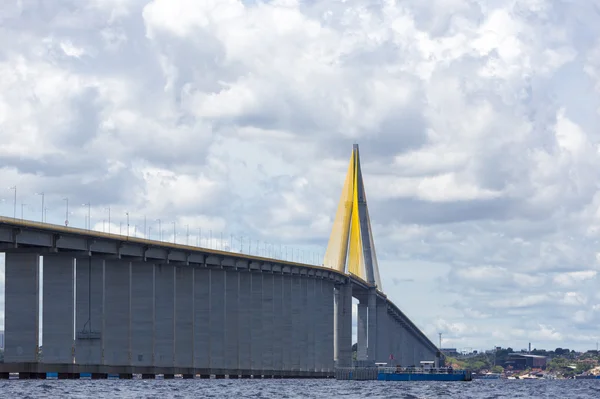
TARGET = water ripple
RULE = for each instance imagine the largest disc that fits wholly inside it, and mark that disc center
(291, 389)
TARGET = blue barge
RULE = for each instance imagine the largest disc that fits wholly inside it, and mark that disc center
(422, 374)
(398, 373)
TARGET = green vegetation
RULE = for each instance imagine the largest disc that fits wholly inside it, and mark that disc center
(562, 362)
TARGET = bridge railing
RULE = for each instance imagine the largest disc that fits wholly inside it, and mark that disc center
(418, 370)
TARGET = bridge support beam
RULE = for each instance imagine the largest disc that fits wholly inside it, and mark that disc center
(58, 299)
(372, 326)
(217, 319)
(267, 323)
(184, 316)
(287, 341)
(361, 332)
(327, 291)
(244, 321)
(164, 325)
(21, 317)
(142, 314)
(89, 312)
(117, 313)
(232, 328)
(279, 309)
(343, 325)
(382, 332)
(255, 326)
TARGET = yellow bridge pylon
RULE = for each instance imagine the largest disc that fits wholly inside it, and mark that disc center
(351, 248)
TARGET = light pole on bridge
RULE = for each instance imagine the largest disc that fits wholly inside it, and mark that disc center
(174, 233)
(127, 214)
(89, 215)
(22, 206)
(66, 211)
(15, 203)
(187, 234)
(108, 208)
(42, 194)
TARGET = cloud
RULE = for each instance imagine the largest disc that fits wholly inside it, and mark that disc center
(476, 123)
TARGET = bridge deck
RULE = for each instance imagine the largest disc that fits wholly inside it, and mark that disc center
(281, 315)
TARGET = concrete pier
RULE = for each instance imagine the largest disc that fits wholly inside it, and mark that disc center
(21, 314)
(89, 312)
(58, 318)
(184, 316)
(255, 327)
(244, 321)
(217, 319)
(201, 318)
(117, 313)
(142, 314)
(232, 329)
(372, 326)
(298, 340)
(343, 325)
(279, 309)
(286, 322)
(164, 322)
(266, 336)
(361, 331)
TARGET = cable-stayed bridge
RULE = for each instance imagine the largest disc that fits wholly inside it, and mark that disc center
(116, 304)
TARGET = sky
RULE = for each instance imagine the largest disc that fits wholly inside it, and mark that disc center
(476, 119)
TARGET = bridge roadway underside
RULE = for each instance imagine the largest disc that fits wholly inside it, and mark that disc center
(152, 318)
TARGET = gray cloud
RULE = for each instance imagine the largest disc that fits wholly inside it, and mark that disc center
(477, 125)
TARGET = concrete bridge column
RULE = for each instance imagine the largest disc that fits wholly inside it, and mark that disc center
(319, 331)
(22, 300)
(217, 319)
(142, 314)
(303, 323)
(201, 318)
(343, 325)
(311, 323)
(407, 352)
(382, 332)
(393, 338)
(164, 308)
(298, 343)
(89, 310)
(328, 325)
(267, 322)
(58, 318)
(361, 332)
(255, 326)
(398, 342)
(245, 321)
(288, 343)
(372, 326)
(184, 316)
(279, 308)
(232, 328)
(117, 313)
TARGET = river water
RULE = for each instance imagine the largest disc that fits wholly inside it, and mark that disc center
(564, 389)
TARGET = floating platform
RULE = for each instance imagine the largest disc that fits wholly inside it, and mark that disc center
(402, 374)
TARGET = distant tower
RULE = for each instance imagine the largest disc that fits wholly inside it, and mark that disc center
(351, 248)
(530, 347)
